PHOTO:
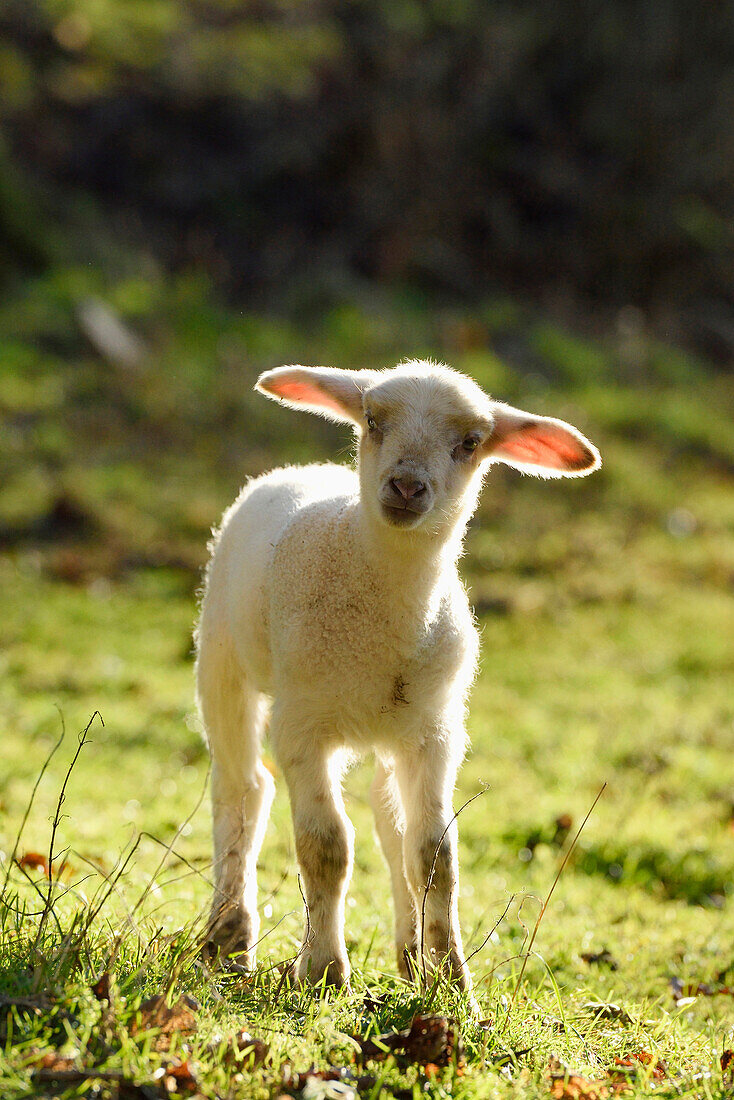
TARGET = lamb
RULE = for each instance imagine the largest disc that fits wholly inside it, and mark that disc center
(333, 596)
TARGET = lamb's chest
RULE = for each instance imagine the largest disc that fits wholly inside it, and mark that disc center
(344, 630)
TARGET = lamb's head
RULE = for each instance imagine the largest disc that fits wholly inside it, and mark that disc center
(426, 434)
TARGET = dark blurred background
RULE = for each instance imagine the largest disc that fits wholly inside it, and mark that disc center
(579, 154)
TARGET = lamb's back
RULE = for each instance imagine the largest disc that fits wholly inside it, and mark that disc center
(239, 577)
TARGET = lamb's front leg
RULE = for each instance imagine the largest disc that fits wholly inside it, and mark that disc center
(324, 844)
(426, 780)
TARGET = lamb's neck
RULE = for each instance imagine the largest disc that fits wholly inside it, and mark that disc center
(412, 563)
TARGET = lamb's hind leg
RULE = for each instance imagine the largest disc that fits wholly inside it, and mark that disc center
(242, 792)
(390, 824)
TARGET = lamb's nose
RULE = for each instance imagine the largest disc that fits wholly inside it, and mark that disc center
(408, 487)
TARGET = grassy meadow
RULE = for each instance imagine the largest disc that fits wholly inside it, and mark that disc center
(607, 657)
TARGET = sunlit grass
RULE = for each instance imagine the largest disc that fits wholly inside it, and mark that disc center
(607, 621)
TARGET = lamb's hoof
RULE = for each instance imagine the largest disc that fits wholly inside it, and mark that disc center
(331, 975)
(232, 962)
(227, 946)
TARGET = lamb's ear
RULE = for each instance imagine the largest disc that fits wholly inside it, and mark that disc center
(336, 394)
(539, 445)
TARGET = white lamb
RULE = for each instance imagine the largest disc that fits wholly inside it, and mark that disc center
(335, 595)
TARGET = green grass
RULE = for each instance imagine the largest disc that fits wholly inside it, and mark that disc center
(606, 614)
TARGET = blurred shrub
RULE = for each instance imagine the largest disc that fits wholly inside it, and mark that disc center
(581, 147)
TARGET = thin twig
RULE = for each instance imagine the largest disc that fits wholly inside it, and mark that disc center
(107, 878)
(169, 847)
(489, 935)
(117, 943)
(544, 906)
(77, 1076)
(42, 896)
(307, 941)
(55, 825)
(94, 913)
(432, 872)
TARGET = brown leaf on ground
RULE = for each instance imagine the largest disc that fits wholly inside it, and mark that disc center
(373, 1002)
(565, 1085)
(563, 825)
(429, 1039)
(33, 861)
(167, 1019)
(101, 988)
(241, 1050)
(574, 1087)
(602, 958)
(641, 1063)
(37, 861)
(606, 1010)
(51, 1060)
(178, 1076)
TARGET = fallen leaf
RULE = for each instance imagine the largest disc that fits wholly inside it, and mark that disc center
(578, 1088)
(563, 825)
(101, 988)
(156, 1014)
(602, 958)
(179, 1077)
(242, 1050)
(630, 1066)
(429, 1039)
(33, 861)
(53, 1061)
(565, 1085)
(607, 1010)
(37, 861)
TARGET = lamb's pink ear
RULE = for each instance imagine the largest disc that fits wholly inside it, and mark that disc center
(336, 394)
(539, 445)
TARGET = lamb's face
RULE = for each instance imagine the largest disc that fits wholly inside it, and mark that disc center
(424, 434)
(422, 439)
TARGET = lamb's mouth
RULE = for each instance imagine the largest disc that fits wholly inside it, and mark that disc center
(402, 517)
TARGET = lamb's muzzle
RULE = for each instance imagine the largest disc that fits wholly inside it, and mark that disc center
(406, 500)
(356, 636)
(407, 488)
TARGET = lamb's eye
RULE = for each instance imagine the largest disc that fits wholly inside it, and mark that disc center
(371, 423)
(470, 444)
